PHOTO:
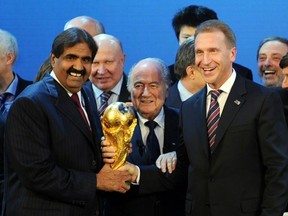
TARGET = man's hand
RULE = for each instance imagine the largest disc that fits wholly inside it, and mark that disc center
(109, 151)
(113, 180)
(132, 169)
(167, 161)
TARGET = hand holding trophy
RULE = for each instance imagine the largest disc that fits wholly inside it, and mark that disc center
(118, 123)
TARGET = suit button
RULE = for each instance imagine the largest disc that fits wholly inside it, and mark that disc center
(94, 163)
(212, 179)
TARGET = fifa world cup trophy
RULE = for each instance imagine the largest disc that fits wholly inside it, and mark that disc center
(118, 123)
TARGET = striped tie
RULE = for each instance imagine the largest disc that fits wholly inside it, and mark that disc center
(213, 118)
(104, 97)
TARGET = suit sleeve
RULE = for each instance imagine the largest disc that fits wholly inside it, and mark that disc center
(272, 135)
(30, 151)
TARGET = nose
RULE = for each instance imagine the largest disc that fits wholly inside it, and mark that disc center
(146, 91)
(267, 62)
(78, 65)
(101, 69)
(206, 58)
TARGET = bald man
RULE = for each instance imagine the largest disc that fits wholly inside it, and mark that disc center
(92, 26)
(107, 74)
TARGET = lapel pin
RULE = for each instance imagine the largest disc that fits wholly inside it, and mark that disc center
(237, 102)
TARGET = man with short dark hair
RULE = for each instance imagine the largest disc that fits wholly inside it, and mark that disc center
(52, 145)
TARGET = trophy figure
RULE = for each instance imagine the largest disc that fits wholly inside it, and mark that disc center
(118, 123)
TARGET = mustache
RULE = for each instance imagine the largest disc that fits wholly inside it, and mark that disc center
(73, 70)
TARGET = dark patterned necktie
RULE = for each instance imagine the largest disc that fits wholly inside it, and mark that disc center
(104, 97)
(152, 142)
(5, 97)
(213, 118)
(75, 99)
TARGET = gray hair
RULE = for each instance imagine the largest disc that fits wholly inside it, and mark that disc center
(8, 44)
(185, 57)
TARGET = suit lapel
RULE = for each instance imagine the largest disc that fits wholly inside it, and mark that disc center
(139, 155)
(203, 135)
(66, 106)
(171, 132)
(233, 104)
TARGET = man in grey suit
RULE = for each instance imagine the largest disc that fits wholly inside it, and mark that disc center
(52, 145)
(240, 166)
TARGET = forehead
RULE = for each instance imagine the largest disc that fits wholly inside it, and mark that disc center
(79, 49)
(209, 39)
(108, 48)
(147, 72)
(274, 47)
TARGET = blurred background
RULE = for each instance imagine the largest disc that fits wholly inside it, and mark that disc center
(144, 27)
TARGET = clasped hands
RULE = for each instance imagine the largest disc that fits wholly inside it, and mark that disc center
(164, 162)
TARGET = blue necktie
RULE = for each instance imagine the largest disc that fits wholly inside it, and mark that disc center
(104, 97)
(152, 142)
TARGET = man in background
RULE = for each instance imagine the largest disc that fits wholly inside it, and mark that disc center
(269, 54)
(190, 79)
(108, 80)
(11, 84)
(89, 24)
(185, 22)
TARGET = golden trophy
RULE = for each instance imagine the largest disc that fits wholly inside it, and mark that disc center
(118, 123)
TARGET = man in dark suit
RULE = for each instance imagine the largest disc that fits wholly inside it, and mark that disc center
(11, 84)
(190, 79)
(107, 74)
(240, 166)
(148, 83)
(52, 147)
(185, 22)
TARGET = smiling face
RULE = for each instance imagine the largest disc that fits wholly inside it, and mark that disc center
(214, 57)
(108, 64)
(73, 67)
(270, 55)
(148, 89)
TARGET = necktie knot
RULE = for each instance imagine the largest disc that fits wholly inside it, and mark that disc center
(215, 94)
(75, 99)
(104, 97)
(151, 125)
(5, 97)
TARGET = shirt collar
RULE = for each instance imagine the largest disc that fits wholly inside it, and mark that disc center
(184, 93)
(68, 92)
(159, 118)
(226, 87)
(116, 90)
(13, 85)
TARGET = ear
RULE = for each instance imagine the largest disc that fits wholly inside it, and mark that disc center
(190, 71)
(233, 54)
(52, 59)
(10, 58)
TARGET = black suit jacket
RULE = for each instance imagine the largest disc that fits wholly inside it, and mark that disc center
(174, 99)
(53, 157)
(22, 84)
(247, 174)
(156, 204)
(243, 71)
